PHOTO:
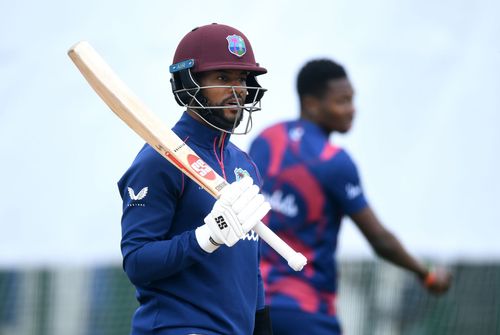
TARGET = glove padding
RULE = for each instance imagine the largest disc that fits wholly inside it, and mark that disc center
(239, 208)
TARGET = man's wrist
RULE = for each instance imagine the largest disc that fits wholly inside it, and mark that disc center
(205, 240)
(430, 278)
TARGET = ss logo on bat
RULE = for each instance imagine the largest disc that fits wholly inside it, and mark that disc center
(221, 222)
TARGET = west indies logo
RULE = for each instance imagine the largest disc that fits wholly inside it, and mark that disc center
(200, 167)
(236, 45)
(239, 173)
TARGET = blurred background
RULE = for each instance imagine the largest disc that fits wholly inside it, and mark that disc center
(427, 79)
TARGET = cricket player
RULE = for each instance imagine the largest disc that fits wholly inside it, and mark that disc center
(193, 260)
(311, 185)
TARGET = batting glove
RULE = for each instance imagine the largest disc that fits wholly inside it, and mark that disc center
(239, 208)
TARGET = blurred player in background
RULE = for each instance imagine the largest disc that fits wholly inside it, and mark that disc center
(311, 184)
(193, 260)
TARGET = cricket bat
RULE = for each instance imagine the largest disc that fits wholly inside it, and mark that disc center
(137, 116)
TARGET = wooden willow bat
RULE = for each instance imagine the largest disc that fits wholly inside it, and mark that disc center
(137, 116)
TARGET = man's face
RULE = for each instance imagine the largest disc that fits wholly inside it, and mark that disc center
(225, 96)
(336, 108)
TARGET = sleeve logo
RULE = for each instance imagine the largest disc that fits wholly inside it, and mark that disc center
(141, 195)
(353, 191)
(296, 133)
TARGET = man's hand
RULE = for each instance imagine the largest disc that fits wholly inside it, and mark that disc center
(239, 208)
(437, 281)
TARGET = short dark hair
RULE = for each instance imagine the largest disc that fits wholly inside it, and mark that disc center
(315, 74)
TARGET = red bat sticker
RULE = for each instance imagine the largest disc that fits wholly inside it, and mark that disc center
(200, 167)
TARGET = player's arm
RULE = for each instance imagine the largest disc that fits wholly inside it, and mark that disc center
(146, 221)
(387, 246)
(384, 243)
(346, 188)
(148, 255)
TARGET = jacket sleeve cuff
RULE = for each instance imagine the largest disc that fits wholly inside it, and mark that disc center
(205, 240)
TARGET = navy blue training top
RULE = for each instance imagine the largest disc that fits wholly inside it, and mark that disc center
(311, 185)
(181, 288)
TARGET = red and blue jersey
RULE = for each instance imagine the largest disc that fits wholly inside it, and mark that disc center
(182, 289)
(311, 184)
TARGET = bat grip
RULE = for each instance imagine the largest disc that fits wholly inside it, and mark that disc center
(295, 259)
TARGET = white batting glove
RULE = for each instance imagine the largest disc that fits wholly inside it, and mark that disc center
(239, 208)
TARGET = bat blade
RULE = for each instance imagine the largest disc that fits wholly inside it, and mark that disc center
(128, 107)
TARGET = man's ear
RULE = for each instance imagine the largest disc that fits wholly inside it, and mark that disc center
(310, 106)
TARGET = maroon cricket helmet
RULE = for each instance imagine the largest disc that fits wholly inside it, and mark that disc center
(210, 48)
(217, 47)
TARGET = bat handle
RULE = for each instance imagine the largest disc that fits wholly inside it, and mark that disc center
(295, 259)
